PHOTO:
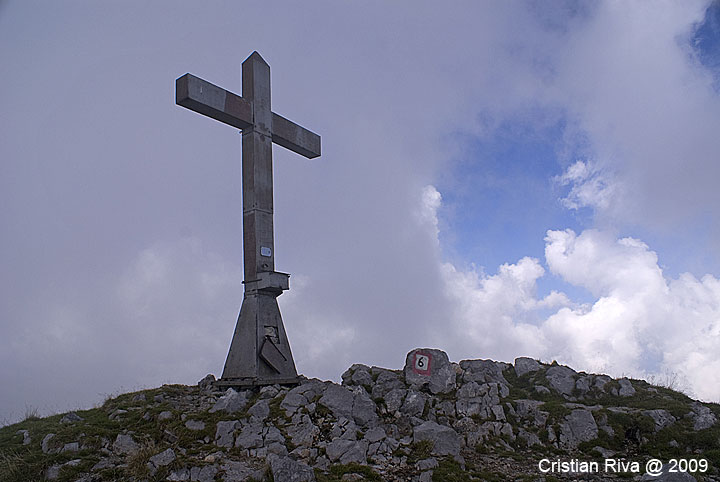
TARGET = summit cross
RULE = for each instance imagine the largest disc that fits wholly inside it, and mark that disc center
(259, 352)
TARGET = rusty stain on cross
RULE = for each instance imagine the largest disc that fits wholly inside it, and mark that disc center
(421, 363)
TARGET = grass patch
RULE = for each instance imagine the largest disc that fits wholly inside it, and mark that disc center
(137, 462)
(450, 471)
(620, 422)
(70, 473)
(93, 432)
(678, 404)
(419, 451)
(13, 467)
(336, 472)
(321, 411)
(520, 387)
(556, 408)
(489, 476)
(524, 387)
(277, 413)
(31, 414)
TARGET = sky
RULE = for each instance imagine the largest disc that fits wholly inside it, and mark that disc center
(497, 179)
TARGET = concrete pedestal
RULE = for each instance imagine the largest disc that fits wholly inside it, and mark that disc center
(260, 352)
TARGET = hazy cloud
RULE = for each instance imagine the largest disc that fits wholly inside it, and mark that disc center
(631, 80)
(121, 248)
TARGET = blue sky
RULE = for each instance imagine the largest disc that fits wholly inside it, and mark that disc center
(503, 189)
(497, 180)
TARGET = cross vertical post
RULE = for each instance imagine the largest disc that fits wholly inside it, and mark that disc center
(257, 171)
(259, 352)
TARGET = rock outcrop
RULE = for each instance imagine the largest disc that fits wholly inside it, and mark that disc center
(431, 420)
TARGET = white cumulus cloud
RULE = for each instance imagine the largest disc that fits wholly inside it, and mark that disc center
(589, 186)
(640, 322)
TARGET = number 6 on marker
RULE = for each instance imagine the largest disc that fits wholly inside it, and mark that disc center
(422, 364)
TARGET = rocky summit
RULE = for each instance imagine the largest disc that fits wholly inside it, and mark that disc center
(432, 420)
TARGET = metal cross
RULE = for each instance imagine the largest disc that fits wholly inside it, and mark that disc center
(259, 352)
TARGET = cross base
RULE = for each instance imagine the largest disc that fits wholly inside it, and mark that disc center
(253, 382)
(259, 353)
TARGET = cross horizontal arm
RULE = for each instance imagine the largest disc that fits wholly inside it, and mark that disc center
(294, 137)
(208, 99)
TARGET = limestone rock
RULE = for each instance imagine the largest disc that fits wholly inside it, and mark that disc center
(414, 404)
(203, 474)
(70, 447)
(498, 412)
(207, 383)
(662, 418)
(53, 472)
(626, 388)
(702, 417)
(195, 425)
(166, 415)
(579, 426)
(260, 410)
(525, 365)
(601, 381)
(269, 391)
(529, 438)
(231, 402)
(301, 396)
(250, 436)
(117, 414)
(527, 408)
(26, 436)
(71, 417)
(358, 375)
(162, 459)
(179, 475)
(285, 469)
(236, 471)
(483, 371)
(293, 401)
(424, 477)
(583, 384)
(272, 435)
(304, 433)
(480, 400)
(224, 433)
(561, 379)
(364, 410)
(605, 453)
(347, 451)
(446, 441)
(426, 464)
(541, 390)
(45, 444)
(441, 376)
(375, 434)
(386, 381)
(125, 445)
(394, 399)
(339, 400)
